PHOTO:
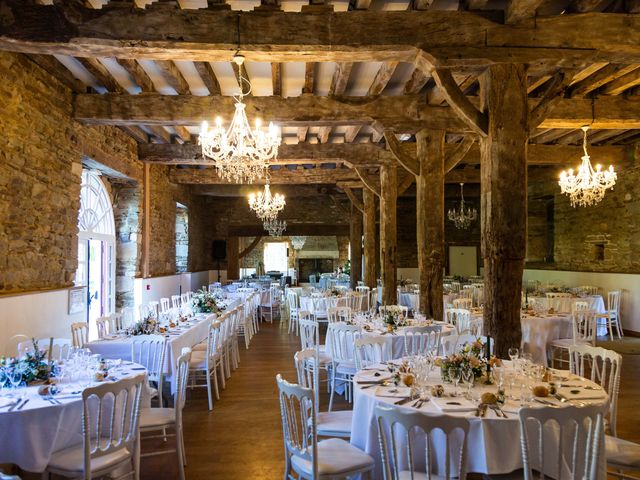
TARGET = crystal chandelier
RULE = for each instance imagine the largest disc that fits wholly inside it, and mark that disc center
(588, 186)
(240, 154)
(462, 217)
(298, 242)
(275, 227)
(265, 205)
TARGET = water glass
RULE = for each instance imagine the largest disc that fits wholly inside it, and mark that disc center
(454, 375)
(468, 377)
(514, 354)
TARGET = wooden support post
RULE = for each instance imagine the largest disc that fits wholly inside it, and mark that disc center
(388, 232)
(233, 264)
(369, 223)
(355, 239)
(504, 200)
(430, 220)
(146, 220)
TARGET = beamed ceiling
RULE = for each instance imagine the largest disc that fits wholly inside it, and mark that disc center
(336, 75)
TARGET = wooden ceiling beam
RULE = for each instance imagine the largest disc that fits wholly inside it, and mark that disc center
(323, 134)
(404, 113)
(340, 78)
(52, 66)
(620, 84)
(431, 38)
(382, 78)
(517, 11)
(351, 133)
(276, 79)
(309, 69)
(304, 176)
(101, 74)
(160, 133)
(417, 82)
(600, 78)
(369, 155)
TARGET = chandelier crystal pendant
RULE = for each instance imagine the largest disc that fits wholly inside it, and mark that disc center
(265, 205)
(462, 217)
(275, 227)
(588, 186)
(298, 241)
(240, 154)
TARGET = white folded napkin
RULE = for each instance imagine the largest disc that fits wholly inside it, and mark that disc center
(393, 392)
(582, 393)
(454, 404)
(370, 376)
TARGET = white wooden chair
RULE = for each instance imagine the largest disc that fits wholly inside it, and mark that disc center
(329, 424)
(150, 352)
(110, 433)
(79, 334)
(343, 368)
(60, 347)
(320, 308)
(459, 318)
(373, 300)
(416, 429)
(102, 326)
(209, 362)
(161, 419)
(579, 306)
(154, 308)
(370, 350)
(603, 367)
(332, 458)
(165, 305)
(574, 454)
(115, 321)
(422, 340)
(623, 457)
(21, 344)
(463, 303)
(583, 333)
(144, 311)
(294, 306)
(611, 318)
(310, 339)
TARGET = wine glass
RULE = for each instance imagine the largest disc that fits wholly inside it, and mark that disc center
(468, 377)
(4, 377)
(514, 354)
(454, 375)
(15, 377)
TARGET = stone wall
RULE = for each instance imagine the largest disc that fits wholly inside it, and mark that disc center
(600, 238)
(40, 167)
(182, 238)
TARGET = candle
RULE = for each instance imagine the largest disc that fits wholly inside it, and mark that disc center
(489, 358)
(50, 353)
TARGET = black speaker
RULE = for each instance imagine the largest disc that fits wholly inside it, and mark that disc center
(219, 249)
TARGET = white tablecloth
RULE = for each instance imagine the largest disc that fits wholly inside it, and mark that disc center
(539, 330)
(409, 300)
(319, 306)
(29, 437)
(394, 342)
(566, 304)
(120, 347)
(493, 443)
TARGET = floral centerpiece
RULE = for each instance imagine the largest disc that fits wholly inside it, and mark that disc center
(147, 326)
(334, 292)
(204, 301)
(403, 282)
(393, 316)
(33, 365)
(471, 354)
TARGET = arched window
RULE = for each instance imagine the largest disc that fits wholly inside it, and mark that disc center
(96, 247)
(96, 213)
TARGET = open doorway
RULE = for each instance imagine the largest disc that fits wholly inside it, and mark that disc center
(96, 249)
(275, 257)
(182, 238)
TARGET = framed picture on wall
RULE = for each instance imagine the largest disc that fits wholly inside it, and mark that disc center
(77, 299)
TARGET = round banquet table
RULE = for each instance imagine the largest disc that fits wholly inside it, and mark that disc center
(493, 443)
(566, 304)
(539, 330)
(394, 342)
(28, 437)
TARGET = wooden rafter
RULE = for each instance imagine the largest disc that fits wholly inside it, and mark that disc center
(620, 84)
(173, 76)
(302, 134)
(518, 10)
(53, 67)
(277, 177)
(382, 78)
(208, 77)
(369, 181)
(469, 113)
(417, 82)
(554, 91)
(340, 78)
(101, 74)
(160, 133)
(351, 133)
(309, 69)
(601, 77)
(276, 78)
(138, 74)
(323, 134)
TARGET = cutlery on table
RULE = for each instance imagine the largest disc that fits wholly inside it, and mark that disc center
(402, 401)
(562, 398)
(24, 402)
(545, 402)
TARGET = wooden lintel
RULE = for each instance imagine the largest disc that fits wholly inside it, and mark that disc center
(302, 176)
(407, 161)
(553, 93)
(469, 113)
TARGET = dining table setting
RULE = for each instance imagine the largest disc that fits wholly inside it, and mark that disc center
(487, 391)
(43, 415)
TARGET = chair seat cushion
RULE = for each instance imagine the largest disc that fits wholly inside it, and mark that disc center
(346, 368)
(202, 346)
(323, 357)
(622, 452)
(156, 417)
(199, 360)
(72, 460)
(335, 423)
(567, 342)
(335, 457)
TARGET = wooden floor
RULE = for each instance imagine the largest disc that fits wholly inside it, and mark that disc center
(241, 438)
